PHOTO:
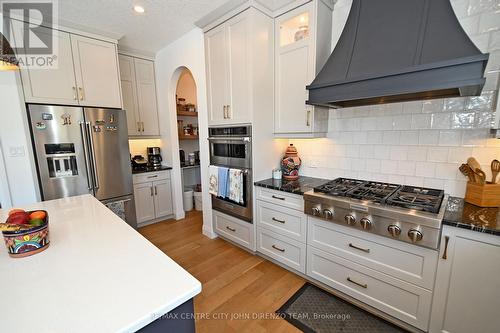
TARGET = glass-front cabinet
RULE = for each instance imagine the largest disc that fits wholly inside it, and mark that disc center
(300, 51)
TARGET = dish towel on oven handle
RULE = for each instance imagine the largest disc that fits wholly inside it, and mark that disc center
(223, 182)
(213, 180)
(236, 185)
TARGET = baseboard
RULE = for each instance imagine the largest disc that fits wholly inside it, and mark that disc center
(209, 233)
(160, 219)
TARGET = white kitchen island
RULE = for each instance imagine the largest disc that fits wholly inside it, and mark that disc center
(98, 275)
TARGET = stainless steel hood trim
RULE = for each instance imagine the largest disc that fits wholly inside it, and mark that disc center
(405, 50)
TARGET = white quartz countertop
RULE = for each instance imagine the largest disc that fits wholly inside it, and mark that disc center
(98, 275)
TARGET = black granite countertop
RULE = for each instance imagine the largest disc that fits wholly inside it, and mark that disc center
(467, 216)
(150, 169)
(300, 186)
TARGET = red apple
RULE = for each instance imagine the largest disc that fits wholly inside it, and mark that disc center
(18, 218)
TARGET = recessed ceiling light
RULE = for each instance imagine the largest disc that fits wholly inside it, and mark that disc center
(139, 9)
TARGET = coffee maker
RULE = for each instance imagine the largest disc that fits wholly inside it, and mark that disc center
(154, 157)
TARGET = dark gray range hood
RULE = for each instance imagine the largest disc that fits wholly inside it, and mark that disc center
(396, 51)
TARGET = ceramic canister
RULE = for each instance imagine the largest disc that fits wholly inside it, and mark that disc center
(290, 164)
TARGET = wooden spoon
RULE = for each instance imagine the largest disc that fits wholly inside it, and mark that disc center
(473, 163)
(481, 176)
(495, 170)
(467, 171)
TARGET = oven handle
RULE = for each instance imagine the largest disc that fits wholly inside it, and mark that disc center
(229, 138)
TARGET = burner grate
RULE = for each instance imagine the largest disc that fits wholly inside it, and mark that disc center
(418, 198)
(373, 191)
(339, 186)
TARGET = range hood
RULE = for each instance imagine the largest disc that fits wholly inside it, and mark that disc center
(396, 51)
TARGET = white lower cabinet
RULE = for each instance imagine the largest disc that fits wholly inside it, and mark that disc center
(283, 249)
(467, 291)
(236, 230)
(153, 196)
(395, 297)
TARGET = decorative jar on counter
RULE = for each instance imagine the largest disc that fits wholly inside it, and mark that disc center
(290, 164)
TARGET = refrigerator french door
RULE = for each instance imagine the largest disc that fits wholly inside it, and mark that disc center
(83, 151)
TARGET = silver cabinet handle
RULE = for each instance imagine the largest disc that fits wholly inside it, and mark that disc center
(92, 155)
(74, 94)
(308, 118)
(151, 190)
(277, 248)
(445, 252)
(279, 198)
(149, 177)
(156, 190)
(225, 111)
(86, 154)
(279, 221)
(230, 229)
(138, 126)
(362, 285)
(228, 112)
(80, 92)
(142, 126)
(359, 248)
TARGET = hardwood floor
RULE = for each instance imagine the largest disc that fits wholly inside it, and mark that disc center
(240, 291)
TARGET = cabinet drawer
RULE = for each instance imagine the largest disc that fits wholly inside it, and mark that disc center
(293, 201)
(282, 220)
(397, 298)
(408, 262)
(151, 176)
(283, 249)
(235, 230)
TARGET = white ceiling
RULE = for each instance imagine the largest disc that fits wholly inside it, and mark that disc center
(163, 21)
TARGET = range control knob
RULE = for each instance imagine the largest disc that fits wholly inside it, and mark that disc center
(316, 211)
(415, 235)
(394, 230)
(349, 219)
(328, 214)
(366, 223)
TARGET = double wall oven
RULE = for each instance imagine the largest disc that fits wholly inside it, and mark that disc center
(231, 147)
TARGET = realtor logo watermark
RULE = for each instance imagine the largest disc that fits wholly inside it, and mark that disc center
(28, 26)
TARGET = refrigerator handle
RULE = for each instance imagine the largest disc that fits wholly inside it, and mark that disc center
(86, 154)
(92, 155)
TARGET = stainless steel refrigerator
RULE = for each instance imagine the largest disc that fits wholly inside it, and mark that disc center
(84, 151)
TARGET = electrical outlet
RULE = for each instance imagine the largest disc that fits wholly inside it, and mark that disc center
(17, 151)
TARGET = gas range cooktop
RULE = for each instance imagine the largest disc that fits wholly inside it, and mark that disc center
(411, 197)
(406, 213)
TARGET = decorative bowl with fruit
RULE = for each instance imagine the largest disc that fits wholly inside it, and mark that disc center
(26, 233)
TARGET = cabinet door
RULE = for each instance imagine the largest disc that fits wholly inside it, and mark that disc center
(144, 202)
(238, 69)
(55, 85)
(96, 69)
(294, 68)
(467, 291)
(129, 93)
(163, 198)
(146, 96)
(217, 76)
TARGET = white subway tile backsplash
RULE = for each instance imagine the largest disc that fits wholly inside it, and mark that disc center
(428, 137)
(425, 169)
(446, 171)
(421, 121)
(438, 154)
(450, 138)
(409, 138)
(419, 143)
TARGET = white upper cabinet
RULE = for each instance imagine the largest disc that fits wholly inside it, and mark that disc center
(237, 66)
(62, 87)
(96, 69)
(299, 55)
(467, 291)
(146, 96)
(139, 95)
(86, 74)
(129, 92)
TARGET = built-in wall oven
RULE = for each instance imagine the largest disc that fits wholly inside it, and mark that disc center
(231, 147)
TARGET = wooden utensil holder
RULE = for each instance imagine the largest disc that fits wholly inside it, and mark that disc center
(487, 195)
